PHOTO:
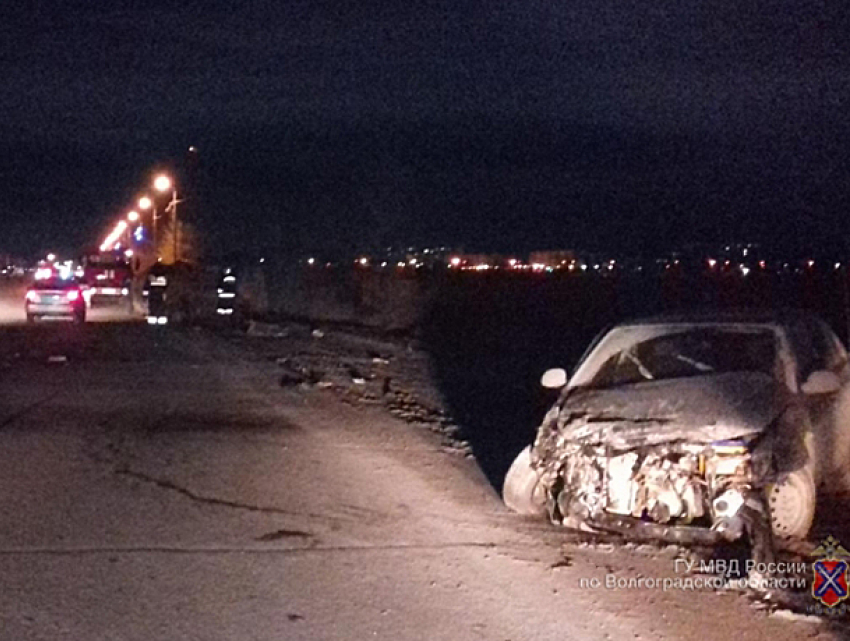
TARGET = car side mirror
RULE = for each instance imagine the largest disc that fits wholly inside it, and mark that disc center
(554, 378)
(821, 382)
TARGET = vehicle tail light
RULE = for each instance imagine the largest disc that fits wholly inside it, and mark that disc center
(73, 295)
(33, 296)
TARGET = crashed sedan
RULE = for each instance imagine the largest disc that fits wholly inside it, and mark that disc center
(693, 429)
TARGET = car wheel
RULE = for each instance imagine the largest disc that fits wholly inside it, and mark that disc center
(522, 490)
(792, 505)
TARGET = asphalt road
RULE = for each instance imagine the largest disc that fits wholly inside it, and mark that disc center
(157, 483)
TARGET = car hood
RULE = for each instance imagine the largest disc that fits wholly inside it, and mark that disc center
(699, 409)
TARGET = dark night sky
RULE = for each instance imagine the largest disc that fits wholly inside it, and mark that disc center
(503, 124)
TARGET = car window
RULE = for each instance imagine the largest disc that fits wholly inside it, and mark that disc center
(697, 351)
(54, 283)
(815, 348)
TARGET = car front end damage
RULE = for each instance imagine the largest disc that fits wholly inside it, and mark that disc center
(692, 471)
(677, 492)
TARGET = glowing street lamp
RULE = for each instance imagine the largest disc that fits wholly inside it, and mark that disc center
(113, 236)
(162, 183)
(133, 216)
(145, 203)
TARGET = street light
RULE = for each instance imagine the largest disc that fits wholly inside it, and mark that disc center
(133, 216)
(114, 235)
(145, 204)
(163, 183)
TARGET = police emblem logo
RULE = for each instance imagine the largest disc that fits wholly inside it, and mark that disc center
(830, 582)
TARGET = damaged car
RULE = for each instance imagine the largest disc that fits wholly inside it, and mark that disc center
(693, 429)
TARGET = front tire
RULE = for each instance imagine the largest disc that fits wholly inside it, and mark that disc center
(522, 491)
(792, 505)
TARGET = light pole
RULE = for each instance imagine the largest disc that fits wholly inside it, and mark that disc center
(163, 183)
(146, 203)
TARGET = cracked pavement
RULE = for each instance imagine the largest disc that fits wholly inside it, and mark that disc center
(163, 485)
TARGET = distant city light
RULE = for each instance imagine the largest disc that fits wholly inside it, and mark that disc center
(51, 257)
(311, 261)
(455, 261)
(712, 263)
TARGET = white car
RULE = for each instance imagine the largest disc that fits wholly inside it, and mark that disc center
(694, 429)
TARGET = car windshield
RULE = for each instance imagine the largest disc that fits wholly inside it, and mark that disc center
(696, 351)
(55, 283)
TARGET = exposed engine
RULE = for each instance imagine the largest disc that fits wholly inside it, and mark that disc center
(675, 483)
